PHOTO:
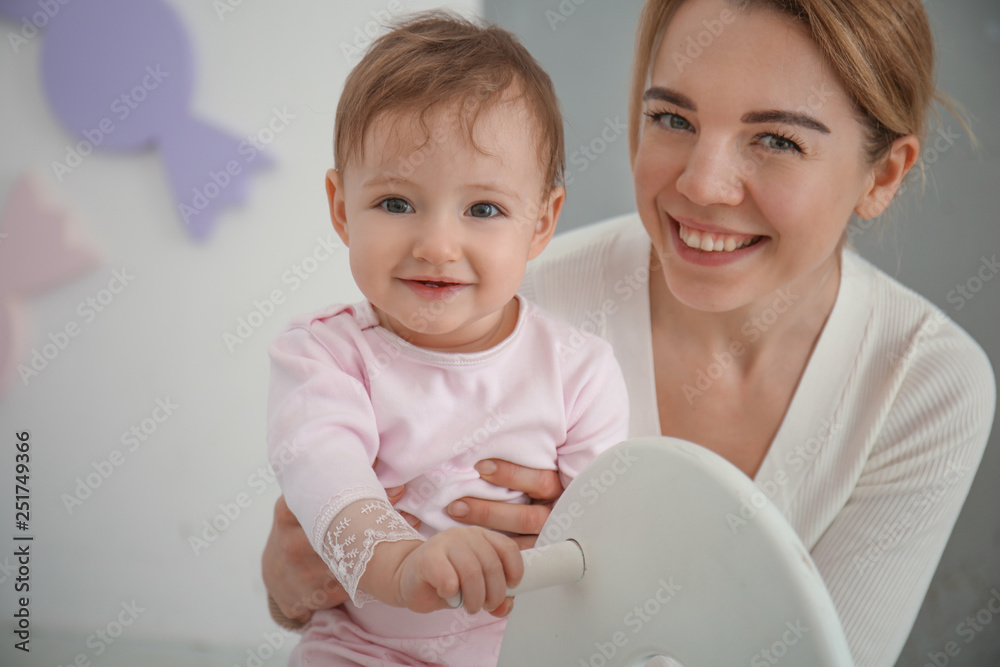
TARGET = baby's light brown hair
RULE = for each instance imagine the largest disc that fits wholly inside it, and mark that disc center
(433, 60)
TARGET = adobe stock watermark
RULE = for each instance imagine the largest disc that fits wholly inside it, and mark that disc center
(216, 182)
(633, 621)
(212, 528)
(223, 8)
(59, 340)
(30, 25)
(934, 147)
(967, 291)
(433, 649)
(271, 643)
(560, 522)
(698, 44)
(7, 570)
(132, 439)
(427, 485)
(595, 320)
(364, 35)
(927, 330)
(102, 638)
(752, 161)
(562, 12)
(293, 277)
(767, 489)
(894, 533)
(772, 655)
(586, 154)
(968, 629)
(120, 109)
(750, 331)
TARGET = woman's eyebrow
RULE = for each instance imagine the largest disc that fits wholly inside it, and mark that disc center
(681, 100)
(670, 96)
(785, 118)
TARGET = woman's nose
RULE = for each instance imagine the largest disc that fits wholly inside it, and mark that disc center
(713, 175)
(438, 240)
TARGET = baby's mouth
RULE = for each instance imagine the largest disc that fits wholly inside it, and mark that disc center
(436, 283)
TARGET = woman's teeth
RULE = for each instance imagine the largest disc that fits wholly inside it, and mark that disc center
(714, 242)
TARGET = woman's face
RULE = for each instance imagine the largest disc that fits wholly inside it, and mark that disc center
(751, 158)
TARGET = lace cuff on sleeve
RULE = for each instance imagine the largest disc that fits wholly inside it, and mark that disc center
(352, 537)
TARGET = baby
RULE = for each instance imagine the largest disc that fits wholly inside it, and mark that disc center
(449, 157)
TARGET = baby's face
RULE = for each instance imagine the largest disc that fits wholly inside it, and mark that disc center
(440, 232)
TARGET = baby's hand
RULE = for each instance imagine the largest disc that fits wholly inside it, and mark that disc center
(478, 562)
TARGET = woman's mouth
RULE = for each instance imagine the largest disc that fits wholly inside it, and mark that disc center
(709, 242)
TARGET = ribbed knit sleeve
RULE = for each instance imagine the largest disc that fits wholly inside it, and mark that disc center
(877, 557)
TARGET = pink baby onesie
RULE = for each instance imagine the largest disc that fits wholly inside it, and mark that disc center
(345, 390)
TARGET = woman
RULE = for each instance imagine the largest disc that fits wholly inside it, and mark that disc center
(740, 319)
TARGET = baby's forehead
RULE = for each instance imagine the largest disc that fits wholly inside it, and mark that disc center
(449, 127)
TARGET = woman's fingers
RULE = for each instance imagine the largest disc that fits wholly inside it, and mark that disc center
(410, 519)
(501, 516)
(541, 485)
(297, 580)
(395, 494)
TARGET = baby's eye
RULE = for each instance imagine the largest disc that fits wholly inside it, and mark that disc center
(396, 205)
(483, 210)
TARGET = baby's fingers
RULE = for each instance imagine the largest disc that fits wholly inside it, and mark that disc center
(497, 564)
(475, 562)
(509, 553)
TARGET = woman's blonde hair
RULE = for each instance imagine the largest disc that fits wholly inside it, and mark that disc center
(882, 51)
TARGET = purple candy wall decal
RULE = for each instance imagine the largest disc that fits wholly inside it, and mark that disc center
(119, 75)
(39, 248)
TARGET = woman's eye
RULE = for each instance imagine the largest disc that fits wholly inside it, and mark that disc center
(483, 210)
(671, 121)
(778, 143)
(396, 205)
(675, 122)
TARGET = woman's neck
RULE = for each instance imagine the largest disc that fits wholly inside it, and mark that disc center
(760, 331)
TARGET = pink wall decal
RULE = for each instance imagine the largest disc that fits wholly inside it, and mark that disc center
(39, 249)
(119, 75)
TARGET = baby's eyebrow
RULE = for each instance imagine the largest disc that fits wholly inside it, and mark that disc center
(494, 187)
(383, 179)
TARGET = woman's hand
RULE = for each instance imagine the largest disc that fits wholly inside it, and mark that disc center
(542, 486)
(298, 582)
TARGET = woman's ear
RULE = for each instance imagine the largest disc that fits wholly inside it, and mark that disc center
(338, 210)
(548, 216)
(887, 176)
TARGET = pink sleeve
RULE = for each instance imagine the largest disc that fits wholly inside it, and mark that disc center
(322, 435)
(596, 407)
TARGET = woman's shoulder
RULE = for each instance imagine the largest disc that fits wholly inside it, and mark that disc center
(917, 347)
(904, 317)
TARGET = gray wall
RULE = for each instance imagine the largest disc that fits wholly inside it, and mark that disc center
(936, 241)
